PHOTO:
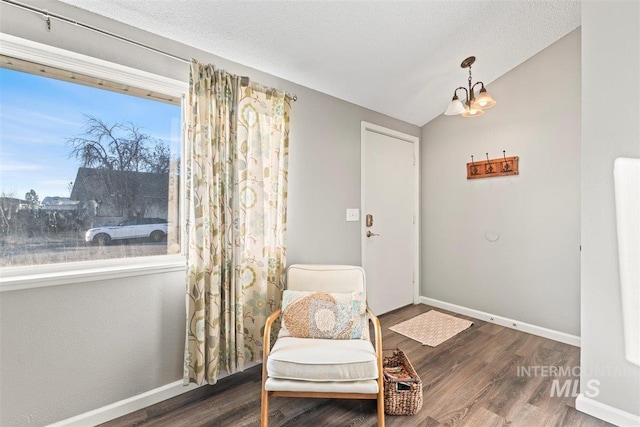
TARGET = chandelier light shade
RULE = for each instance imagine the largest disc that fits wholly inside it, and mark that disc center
(474, 105)
(472, 112)
(455, 107)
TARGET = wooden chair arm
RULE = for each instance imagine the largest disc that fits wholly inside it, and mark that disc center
(266, 340)
(377, 331)
(377, 336)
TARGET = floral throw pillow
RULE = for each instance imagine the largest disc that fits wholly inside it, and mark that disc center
(324, 315)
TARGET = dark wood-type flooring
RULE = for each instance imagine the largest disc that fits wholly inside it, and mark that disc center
(476, 378)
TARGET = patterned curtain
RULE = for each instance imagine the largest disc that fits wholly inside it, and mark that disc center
(236, 153)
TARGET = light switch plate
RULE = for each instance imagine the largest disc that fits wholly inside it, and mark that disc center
(353, 214)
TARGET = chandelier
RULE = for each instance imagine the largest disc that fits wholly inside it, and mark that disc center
(474, 105)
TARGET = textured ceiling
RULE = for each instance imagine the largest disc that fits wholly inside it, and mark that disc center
(400, 58)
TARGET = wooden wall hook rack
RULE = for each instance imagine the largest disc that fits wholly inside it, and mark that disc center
(493, 167)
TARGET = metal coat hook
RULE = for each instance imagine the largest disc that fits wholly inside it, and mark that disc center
(47, 21)
(489, 167)
(474, 168)
(506, 166)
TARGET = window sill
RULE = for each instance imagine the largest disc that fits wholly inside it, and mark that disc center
(40, 276)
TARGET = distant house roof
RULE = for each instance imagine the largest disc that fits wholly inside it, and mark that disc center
(7, 203)
(59, 203)
(11, 200)
(103, 184)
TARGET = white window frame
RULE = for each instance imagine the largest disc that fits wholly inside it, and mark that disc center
(36, 276)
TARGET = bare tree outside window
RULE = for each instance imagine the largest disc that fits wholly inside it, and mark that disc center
(120, 147)
(123, 171)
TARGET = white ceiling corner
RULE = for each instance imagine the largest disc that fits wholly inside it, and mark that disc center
(400, 58)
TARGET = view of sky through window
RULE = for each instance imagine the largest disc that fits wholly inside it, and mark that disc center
(38, 115)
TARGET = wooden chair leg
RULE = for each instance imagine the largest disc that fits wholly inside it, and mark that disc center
(380, 411)
(264, 408)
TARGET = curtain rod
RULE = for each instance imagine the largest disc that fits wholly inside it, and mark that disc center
(48, 16)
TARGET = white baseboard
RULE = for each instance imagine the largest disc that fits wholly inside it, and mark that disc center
(605, 412)
(503, 321)
(131, 404)
(126, 406)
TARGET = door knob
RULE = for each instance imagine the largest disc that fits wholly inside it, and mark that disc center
(370, 234)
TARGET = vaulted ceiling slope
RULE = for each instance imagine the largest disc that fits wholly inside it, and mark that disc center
(400, 58)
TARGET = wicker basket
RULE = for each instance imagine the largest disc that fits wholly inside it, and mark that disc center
(401, 397)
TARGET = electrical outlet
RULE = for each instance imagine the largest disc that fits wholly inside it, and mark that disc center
(353, 214)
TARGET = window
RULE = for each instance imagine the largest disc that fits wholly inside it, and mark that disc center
(89, 163)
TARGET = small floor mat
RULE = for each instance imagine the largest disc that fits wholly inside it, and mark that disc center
(432, 328)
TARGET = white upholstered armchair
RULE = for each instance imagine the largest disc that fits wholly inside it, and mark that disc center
(323, 348)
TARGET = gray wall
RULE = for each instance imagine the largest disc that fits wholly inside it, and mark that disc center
(70, 349)
(532, 273)
(611, 129)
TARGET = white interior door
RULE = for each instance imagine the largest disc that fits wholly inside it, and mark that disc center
(389, 195)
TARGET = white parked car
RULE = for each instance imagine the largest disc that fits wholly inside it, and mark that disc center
(155, 229)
